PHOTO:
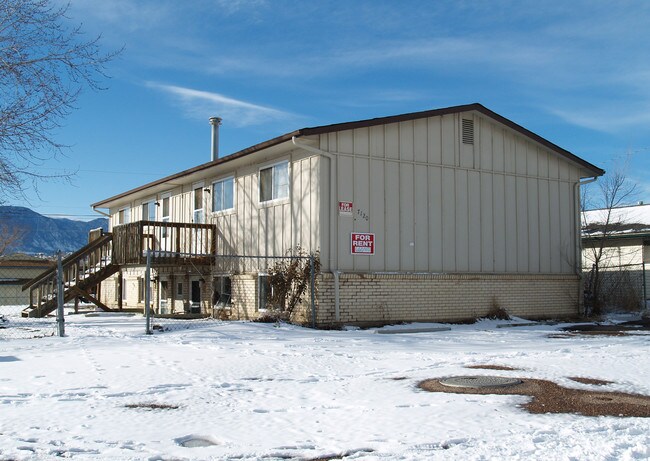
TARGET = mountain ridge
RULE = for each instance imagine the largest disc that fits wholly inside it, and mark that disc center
(45, 235)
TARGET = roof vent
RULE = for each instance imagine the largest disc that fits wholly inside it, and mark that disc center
(468, 131)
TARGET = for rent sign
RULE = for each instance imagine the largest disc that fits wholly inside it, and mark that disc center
(362, 243)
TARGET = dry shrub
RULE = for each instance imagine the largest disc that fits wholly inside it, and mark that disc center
(289, 279)
(497, 312)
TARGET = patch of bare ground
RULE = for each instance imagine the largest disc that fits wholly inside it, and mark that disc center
(549, 397)
(594, 381)
(492, 367)
(152, 406)
(573, 334)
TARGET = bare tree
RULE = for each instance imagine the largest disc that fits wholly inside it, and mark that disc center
(615, 190)
(10, 237)
(44, 64)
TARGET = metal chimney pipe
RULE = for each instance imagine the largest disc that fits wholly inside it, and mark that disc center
(215, 122)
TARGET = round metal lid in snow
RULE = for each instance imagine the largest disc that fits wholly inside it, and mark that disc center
(479, 381)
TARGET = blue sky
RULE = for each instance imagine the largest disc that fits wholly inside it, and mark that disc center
(576, 73)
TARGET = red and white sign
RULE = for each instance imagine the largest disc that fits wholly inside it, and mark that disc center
(345, 208)
(362, 243)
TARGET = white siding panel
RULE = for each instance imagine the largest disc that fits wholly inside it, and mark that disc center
(345, 141)
(484, 131)
(533, 225)
(406, 141)
(462, 223)
(392, 231)
(448, 134)
(391, 140)
(421, 201)
(420, 140)
(435, 219)
(361, 141)
(377, 141)
(556, 240)
(474, 225)
(407, 218)
(448, 220)
(500, 234)
(544, 227)
(377, 214)
(511, 223)
(522, 225)
(434, 142)
(488, 216)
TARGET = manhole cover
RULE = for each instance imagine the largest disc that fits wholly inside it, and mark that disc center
(195, 442)
(479, 381)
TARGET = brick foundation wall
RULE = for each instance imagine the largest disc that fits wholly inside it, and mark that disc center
(387, 298)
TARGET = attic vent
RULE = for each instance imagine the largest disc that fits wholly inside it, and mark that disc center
(468, 131)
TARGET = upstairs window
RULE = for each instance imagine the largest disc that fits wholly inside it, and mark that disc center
(123, 216)
(149, 211)
(274, 182)
(223, 194)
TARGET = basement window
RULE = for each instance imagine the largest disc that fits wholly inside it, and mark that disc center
(274, 182)
(468, 131)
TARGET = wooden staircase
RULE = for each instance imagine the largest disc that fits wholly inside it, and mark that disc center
(82, 270)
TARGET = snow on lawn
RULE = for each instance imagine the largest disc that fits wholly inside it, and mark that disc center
(251, 391)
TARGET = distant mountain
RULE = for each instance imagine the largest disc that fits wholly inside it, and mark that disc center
(46, 235)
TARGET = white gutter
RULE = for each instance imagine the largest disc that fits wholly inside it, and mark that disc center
(101, 212)
(333, 230)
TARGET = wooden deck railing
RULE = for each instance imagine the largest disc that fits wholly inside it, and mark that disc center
(168, 242)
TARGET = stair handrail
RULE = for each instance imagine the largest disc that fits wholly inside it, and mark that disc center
(71, 259)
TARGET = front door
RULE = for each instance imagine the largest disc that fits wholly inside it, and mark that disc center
(195, 296)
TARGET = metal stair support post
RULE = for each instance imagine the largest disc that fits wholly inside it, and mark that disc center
(147, 292)
(60, 320)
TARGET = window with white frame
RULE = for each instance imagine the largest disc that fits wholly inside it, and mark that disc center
(274, 182)
(197, 214)
(149, 211)
(223, 194)
(123, 216)
(221, 291)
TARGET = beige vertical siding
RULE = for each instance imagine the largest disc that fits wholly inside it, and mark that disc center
(503, 204)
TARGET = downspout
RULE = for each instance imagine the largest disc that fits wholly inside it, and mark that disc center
(578, 255)
(335, 273)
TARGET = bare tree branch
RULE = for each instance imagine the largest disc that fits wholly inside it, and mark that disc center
(44, 65)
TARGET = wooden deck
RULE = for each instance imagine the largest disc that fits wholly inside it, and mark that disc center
(170, 243)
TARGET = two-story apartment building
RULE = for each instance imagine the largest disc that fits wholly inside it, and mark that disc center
(426, 216)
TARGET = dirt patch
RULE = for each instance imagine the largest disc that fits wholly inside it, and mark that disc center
(549, 397)
(594, 381)
(492, 367)
(152, 406)
(573, 334)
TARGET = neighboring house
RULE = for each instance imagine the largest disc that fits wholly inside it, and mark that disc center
(428, 216)
(14, 272)
(624, 234)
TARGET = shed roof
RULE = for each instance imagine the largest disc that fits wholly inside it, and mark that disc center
(623, 221)
(362, 124)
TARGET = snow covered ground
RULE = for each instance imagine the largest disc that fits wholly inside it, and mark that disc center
(261, 391)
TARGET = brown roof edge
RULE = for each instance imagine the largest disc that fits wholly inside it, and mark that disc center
(362, 124)
(219, 161)
(452, 110)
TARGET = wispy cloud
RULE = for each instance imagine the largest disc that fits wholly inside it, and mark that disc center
(606, 118)
(202, 104)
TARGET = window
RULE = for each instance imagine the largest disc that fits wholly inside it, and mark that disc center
(264, 291)
(221, 292)
(123, 216)
(140, 290)
(274, 182)
(198, 204)
(223, 195)
(149, 211)
(179, 289)
(165, 215)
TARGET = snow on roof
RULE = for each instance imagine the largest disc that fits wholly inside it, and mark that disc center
(622, 220)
